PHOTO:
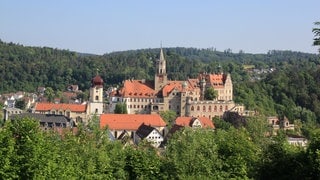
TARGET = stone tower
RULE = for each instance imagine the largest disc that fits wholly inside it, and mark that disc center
(160, 78)
(96, 96)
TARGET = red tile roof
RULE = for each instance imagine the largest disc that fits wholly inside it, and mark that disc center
(187, 121)
(130, 121)
(215, 80)
(178, 85)
(61, 106)
(171, 86)
(137, 88)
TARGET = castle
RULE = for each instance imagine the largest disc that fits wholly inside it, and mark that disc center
(186, 98)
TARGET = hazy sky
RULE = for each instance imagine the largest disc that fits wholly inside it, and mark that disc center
(101, 26)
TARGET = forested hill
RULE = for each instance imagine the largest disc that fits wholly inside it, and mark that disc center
(292, 89)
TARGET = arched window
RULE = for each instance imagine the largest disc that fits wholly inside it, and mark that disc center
(209, 108)
(221, 108)
(97, 98)
(198, 108)
(204, 108)
(215, 108)
(96, 111)
(226, 108)
(192, 108)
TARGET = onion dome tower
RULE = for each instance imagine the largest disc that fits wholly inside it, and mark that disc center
(96, 96)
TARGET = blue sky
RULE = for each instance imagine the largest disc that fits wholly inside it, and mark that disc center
(101, 26)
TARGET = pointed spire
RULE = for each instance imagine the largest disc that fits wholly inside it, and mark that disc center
(161, 55)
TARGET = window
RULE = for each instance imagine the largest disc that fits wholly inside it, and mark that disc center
(209, 108)
(215, 108)
(192, 108)
(198, 108)
(221, 108)
(204, 108)
(226, 108)
(96, 111)
(97, 98)
(68, 114)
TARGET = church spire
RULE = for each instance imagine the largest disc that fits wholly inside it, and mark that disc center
(161, 73)
(161, 55)
(161, 66)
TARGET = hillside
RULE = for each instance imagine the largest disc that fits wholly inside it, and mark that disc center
(290, 90)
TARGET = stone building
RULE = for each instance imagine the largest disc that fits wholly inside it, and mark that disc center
(186, 98)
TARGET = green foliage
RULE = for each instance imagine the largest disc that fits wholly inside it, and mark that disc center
(142, 164)
(121, 108)
(210, 94)
(169, 117)
(193, 153)
(49, 93)
(283, 161)
(239, 155)
(21, 104)
(313, 153)
(27, 152)
(199, 153)
(221, 124)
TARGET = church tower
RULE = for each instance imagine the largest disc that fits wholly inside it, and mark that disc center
(160, 78)
(96, 96)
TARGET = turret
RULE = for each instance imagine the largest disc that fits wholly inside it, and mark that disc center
(202, 88)
(160, 78)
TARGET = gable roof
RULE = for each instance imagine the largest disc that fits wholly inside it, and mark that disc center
(214, 80)
(187, 121)
(167, 89)
(130, 121)
(191, 85)
(60, 106)
(144, 130)
(137, 88)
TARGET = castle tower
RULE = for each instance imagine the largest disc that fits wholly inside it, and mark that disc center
(160, 78)
(202, 88)
(96, 96)
(228, 88)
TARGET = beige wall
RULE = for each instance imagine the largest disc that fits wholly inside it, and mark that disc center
(208, 109)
